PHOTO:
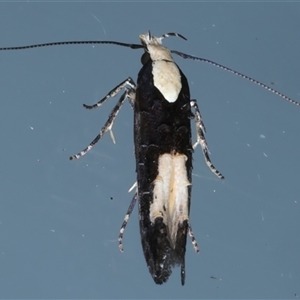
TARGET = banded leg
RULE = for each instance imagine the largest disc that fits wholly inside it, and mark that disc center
(127, 216)
(128, 82)
(194, 242)
(201, 139)
(129, 93)
(182, 272)
(133, 186)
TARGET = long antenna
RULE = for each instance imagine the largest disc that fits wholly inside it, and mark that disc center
(132, 46)
(187, 56)
(138, 46)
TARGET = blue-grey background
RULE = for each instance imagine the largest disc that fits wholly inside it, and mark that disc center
(58, 225)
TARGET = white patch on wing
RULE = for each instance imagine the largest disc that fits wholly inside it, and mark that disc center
(170, 193)
(166, 75)
(166, 79)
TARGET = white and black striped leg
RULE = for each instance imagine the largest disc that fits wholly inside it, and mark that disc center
(128, 82)
(129, 93)
(201, 139)
(194, 242)
(127, 216)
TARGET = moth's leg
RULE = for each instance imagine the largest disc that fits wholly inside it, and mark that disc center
(127, 216)
(128, 94)
(194, 242)
(182, 272)
(126, 83)
(201, 139)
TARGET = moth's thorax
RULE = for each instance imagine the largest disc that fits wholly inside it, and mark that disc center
(158, 52)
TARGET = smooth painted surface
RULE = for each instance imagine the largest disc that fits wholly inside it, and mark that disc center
(58, 224)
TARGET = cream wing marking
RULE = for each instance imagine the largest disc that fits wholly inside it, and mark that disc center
(166, 75)
(170, 193)
(166, 78)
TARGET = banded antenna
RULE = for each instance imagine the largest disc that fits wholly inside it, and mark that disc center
(138, 46)
(187, 56)
(132, 46)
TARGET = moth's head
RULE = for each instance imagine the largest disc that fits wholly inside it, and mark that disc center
(148, 39)
(154, 49)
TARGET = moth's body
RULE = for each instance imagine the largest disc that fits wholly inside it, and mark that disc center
(163, 151)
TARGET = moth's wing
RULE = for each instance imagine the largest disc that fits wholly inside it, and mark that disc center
(159, 255)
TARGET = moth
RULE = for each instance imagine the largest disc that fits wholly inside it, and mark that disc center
(163, 110)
